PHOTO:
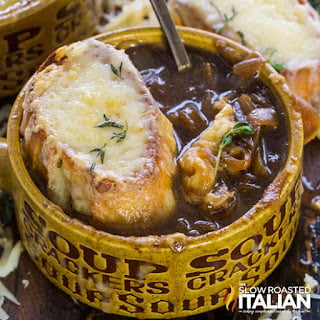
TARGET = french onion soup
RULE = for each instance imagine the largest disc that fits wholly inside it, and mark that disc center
(286, 33)
(125, 143)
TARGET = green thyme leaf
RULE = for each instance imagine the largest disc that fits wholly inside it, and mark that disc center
(120, 136)
(93, 165)
(277, 66)
(116, 71)
(100, 152)
(227, 18)
(226, 140)
(109, 123)
(242, 128)
(241, 35)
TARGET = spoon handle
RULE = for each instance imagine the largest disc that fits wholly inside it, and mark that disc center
(178, 50)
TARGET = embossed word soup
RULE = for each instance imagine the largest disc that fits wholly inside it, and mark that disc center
(30, 30)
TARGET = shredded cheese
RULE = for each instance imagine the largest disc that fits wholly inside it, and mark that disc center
(8, 262)
(11, 262)
(25, 283)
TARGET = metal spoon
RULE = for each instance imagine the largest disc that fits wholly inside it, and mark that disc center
(178, 50)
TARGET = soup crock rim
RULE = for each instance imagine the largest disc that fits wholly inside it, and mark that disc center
(21, 10)
(79, 227)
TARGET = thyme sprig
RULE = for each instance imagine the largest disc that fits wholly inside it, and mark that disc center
(226, 28)
(226, 18)
(239, 128)
(120, 136)
(277, 66)
(116, 71)
(109, 123)
(100, 152)
(93, 165)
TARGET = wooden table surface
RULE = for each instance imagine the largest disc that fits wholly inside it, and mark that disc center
(41, 300)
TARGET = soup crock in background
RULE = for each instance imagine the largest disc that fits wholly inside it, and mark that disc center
(30, 30)
(158, 276)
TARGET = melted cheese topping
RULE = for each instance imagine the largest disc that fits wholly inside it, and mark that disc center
(285, 25)
(127, 13)
(71, 106)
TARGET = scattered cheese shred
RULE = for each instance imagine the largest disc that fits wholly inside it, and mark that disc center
(8, 262)
(7, 294)
(3, 314)
(11, 263)
(25, 283)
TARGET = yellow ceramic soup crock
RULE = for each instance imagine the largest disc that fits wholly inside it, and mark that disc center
(30, 30)
(158, 276)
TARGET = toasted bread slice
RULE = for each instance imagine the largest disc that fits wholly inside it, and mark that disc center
(94, 134)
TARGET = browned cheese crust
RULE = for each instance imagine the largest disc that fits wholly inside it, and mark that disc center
(97, 140)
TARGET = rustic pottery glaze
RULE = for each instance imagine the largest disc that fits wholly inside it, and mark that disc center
(30, 30)
(158, 277)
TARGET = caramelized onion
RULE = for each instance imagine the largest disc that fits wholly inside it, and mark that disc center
(248, 67)
(236, 160)
(197, 163)
(259, 168)
(220, 198)
(189, 118)
(207, 101)
(210, 75)
(197, 227)
(260, 100)
(246, 104)
(264, 117)
(249, 183)
(197, 168)
(228, 53)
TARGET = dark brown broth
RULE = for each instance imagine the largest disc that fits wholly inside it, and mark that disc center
(186, 99)
(192, 94)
